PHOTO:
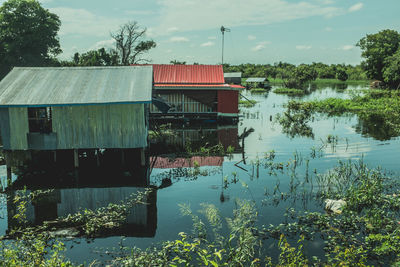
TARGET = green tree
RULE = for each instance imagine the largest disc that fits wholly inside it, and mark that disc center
(391, 71)
(130, 45)
(376, 48)
(341, 74)
(28, 35)
(98, 57)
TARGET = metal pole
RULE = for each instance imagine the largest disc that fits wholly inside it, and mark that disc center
(223, 46)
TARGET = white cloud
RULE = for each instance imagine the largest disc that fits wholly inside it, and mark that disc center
(207, 14)
(251, 37)
(178, 39)
(212, 38)
(207, 44)
(347, 47)
(356, 7)
(83, 22)
(260, 46)
(328, 29)
(303, 47)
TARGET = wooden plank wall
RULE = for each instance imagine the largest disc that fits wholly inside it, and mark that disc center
(19, 128)
(100, 126)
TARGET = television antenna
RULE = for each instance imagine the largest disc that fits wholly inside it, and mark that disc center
(223, 30)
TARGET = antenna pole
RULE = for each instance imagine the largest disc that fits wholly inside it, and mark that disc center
(223, 30)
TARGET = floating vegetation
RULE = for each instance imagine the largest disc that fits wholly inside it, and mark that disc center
(375, 107)
(259, 90)
(247, 103)
(289, 91)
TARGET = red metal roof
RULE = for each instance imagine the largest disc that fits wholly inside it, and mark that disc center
(188, 74)
(227, 86)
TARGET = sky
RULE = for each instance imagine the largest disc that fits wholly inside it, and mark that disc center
(261, 31)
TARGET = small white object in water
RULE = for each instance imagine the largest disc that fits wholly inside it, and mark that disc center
(335, 206)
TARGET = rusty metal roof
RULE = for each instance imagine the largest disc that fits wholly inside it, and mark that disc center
(188, 74)
(76, 86)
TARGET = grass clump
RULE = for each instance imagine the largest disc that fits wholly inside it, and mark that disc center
(289, 91)
(374, 107)
(247, 103)
(259, 90)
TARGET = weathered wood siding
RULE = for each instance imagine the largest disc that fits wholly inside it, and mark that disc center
(19, 128)
(100, 126)
(5, 128)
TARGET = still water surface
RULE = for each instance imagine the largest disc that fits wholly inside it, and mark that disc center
(222, 180)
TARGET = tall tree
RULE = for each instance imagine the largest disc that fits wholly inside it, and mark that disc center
(376, 48)
(130, 44)
(28, 35)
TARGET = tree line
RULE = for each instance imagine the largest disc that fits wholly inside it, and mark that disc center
(29, 37)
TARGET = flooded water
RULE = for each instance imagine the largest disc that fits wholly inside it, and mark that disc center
(221, 180)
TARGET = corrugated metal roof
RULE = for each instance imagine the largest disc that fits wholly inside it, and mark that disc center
(233, 75)
(188, 74)
(76, 86)
(255, 80)
(198, 86)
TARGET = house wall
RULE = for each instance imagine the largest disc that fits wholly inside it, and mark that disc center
(14, 128)
(228, 102)
(187, 102)
(100, 126)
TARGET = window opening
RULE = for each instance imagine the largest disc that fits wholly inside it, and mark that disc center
(40, 120)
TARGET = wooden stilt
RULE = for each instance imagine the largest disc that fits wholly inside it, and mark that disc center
(142, 157)
(9, 176)
(8, 166)
(55, 156)
(76, 158)
(97, 157)
(122, 158)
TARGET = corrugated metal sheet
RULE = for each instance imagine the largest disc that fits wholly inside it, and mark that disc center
(255, 80)
(228, 102)
(105, 126)
(233, 74)
(76, 86)
(188, 74)
(19, 127)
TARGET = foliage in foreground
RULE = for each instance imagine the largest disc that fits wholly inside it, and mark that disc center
(366, 232)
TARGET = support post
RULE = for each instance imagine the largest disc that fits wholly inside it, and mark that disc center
(8, 166)
(55, 156)
(142, 157)
(97, 157)
(76, 158)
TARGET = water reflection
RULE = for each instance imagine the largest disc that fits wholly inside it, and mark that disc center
(59, 203)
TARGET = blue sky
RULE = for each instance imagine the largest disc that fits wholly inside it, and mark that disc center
(262, 31)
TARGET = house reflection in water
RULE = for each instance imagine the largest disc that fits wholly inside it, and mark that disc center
(193, 137)
(140, 222)
(103, 179)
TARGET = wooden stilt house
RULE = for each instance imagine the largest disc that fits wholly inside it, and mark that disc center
(75, 108)
(195, 92)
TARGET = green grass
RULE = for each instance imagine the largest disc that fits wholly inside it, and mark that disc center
(289, 91)
(336, 81)
(247, 103)
(258, 90)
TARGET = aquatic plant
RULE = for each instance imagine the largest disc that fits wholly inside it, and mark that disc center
(289, 91)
